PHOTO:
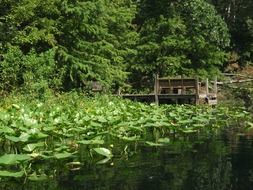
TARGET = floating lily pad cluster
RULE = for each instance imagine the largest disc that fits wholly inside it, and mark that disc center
(34, 131)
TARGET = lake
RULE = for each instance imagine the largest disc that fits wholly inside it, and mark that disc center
(222, 161)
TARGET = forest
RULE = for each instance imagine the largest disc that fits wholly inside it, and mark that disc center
(56, 134)
(64, 44)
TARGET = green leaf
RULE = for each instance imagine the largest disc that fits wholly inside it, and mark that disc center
(96, 124)
(95, 141)
(5, 130)
(104, 161)
(190, 131)
(35, 177)
(16, 106)
(31, 147)
(164, 140)
(63, 155)
(153, 144)
(22, 138)
(101, 119)
(11, 159)
(4, 173)
(103, 151)
(133, 138)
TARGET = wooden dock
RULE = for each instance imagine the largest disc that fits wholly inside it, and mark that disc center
(177, 91)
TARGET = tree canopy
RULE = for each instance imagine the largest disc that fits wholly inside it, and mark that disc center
(64, 44)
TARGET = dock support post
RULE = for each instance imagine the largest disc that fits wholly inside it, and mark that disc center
(207, 86)
(215, 86)
(197, 91)
(156, 86)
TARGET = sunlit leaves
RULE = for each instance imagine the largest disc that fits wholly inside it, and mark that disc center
(4, 173)
(104, 152)
(10, 159)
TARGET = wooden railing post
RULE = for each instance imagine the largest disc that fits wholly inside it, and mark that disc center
(156, 89)
(215, 86)
(207, 86)
(197, 91)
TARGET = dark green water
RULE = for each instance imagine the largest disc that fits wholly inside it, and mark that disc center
(216, 162)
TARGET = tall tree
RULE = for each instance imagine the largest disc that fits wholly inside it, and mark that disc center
(239, 17)
(180, 37)
(91, 40)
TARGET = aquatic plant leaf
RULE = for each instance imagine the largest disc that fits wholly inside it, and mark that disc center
(35, 177)
(135, 128)
(94, 141)
(249, 125)
(4, 173)
(190, 131)
(74, 164)
(11, 159)
(134, 138)
(153, 144)
(31, 147)
(5, 130)
(163, 140)
(22, 138)
(198, 125)
(16, 106)
(186, 121)
(150, 125)
(101, 119)
(38, 135)
(29, 121)
(95, 124)
(103, 151)
(104, 161)
(63, 155)
(49, 128)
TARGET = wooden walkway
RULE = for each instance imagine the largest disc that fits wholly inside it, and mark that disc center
(177, 91)
(163, 98)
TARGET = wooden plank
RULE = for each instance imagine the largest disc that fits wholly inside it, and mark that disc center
(176, 96)
(197, 91)
(212, 102)
(207, 86)
(156, 89)
(233, 81)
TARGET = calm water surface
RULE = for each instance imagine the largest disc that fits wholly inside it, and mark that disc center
(213, 162)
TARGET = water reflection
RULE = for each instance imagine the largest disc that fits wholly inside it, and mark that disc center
(221, 162)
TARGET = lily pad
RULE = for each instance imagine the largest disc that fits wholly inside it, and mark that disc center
(4, 173)
(104, 152)
(11, 159)
(164, 140)
(36, 177)
(95, 141)
(31, 147)
(153, 144)
(22, 138)
(63, 155)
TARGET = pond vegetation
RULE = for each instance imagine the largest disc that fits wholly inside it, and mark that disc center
(71, 128)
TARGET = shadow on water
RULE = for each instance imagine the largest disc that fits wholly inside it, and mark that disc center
(216, 162)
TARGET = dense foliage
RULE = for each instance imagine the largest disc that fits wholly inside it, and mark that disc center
(239, 17)
(74, 41)
(66, 44)
(34, 131)
(180, 38)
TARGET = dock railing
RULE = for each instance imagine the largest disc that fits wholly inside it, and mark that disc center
(178, 91)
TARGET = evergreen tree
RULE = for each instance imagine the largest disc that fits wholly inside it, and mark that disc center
(91, 40)
(180, 38)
